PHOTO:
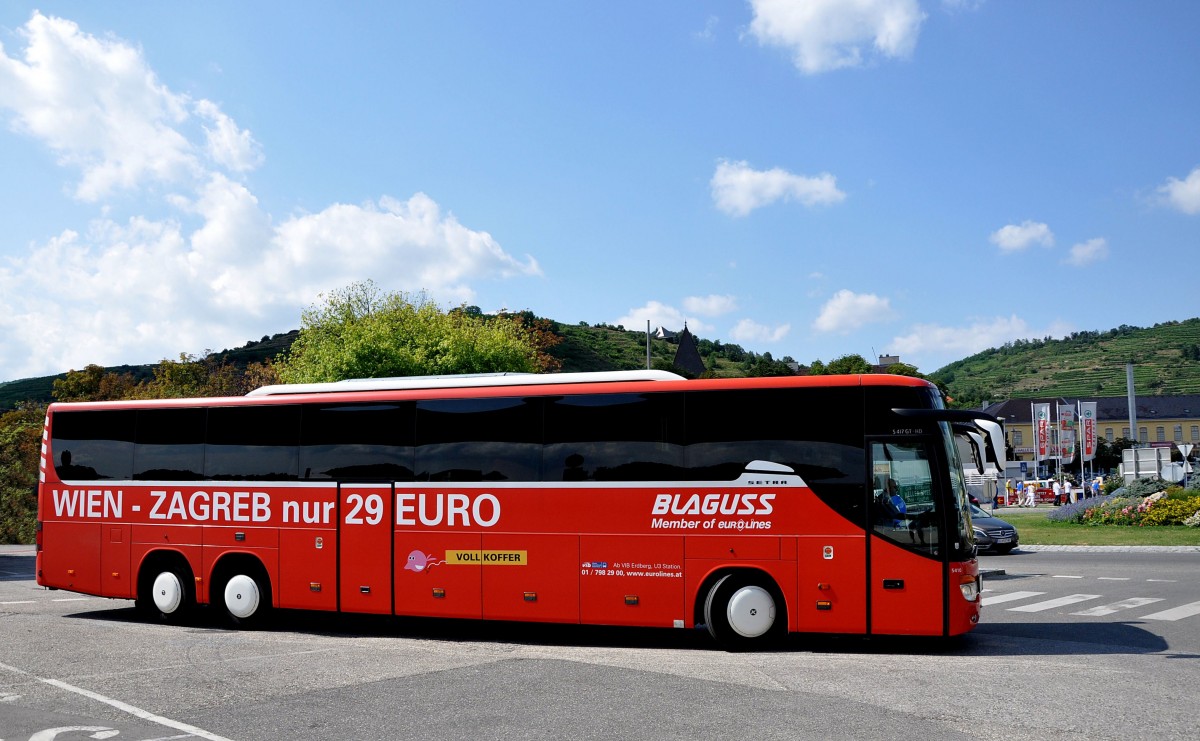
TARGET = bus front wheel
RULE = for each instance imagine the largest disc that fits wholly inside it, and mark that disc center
(741, 611)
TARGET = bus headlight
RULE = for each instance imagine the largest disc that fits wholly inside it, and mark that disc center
(970, 588)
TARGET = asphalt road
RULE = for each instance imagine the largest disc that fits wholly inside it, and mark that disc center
(1053, 670)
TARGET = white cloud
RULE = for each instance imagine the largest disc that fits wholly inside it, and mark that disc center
(673, 318)
(1183, 195)
(824, 35)
(215, 270)
(712, 305)
(228, 145)
(750, 331)
(956, 6)
(710, 29)
(1016, 237)
(96, 104)
(660, 315)
(738, 189)
(145, 290)
(1086, 253)
(410, 240)
(933, 340)
(848, 311)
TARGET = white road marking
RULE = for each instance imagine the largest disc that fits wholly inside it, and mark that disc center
(1125, 604)
(1064, 576)
(19, 602)
(1176, 613)
(122, 706)
(1112, 578)
(1053, 603)
(997, 599)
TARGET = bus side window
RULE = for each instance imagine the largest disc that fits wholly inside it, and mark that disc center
(93, 445)
(169, 445)
(256, 443)
(818, 433)
(613, 437)
(357, 441)
(483, 439)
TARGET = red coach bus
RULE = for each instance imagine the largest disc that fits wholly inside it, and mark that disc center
(754, 507)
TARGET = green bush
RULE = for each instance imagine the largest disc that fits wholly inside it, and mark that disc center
(1143, 487)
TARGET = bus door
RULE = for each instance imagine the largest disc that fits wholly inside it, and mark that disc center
(906, 580)
(365, 555)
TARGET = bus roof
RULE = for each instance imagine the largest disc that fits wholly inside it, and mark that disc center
(473, 380)
(489, 385)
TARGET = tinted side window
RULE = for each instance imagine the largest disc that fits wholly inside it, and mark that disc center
(479, 439)
(169, 445)
(357, 441)
(614, 437)
(93, 445)
(818, 432)
(253, 442)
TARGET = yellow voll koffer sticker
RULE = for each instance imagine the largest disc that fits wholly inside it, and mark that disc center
(487, 558)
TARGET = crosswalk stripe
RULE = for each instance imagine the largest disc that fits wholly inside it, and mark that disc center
(1125, 604)
(1009, 597)
(1176, 613)
(1053, 603)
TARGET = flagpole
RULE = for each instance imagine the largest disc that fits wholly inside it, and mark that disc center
(1082, 435)
(1037, 461)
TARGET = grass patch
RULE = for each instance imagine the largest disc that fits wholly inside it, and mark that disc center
(1035, 529)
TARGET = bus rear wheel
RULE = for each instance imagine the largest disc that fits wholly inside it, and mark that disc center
(741, 611)
(245, 597)
(165, 593)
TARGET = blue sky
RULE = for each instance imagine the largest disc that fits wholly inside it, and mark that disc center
(814, 179)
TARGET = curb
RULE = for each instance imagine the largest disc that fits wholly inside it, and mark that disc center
(1109, 548)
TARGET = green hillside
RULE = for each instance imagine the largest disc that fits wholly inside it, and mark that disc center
(40, 389)
(602, 347)
(1166, 360)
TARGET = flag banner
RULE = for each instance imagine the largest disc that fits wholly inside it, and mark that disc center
(1066, 433)
(1087, 421)
(1041, 430)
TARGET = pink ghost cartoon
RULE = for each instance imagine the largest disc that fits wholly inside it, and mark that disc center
(418, 562)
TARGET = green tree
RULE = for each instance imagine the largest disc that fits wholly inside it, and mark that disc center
(1108, 455)
(848, 364)
(20, 445)
(93, 383)
(361, 332)
(904, 369)
(193, 376)
(765, 365)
